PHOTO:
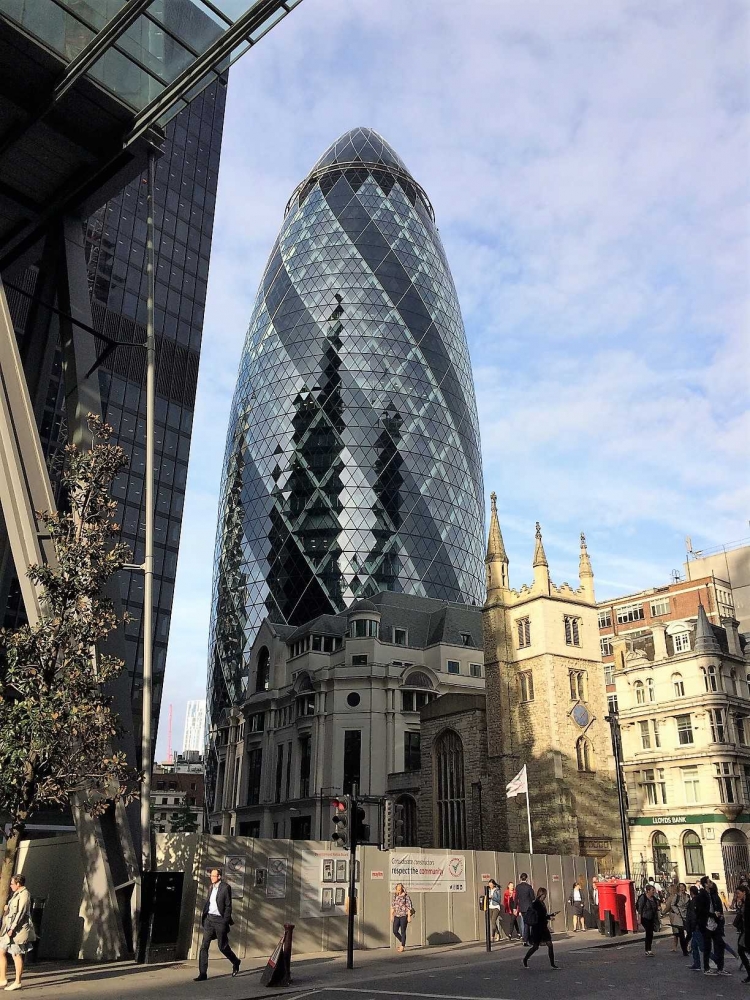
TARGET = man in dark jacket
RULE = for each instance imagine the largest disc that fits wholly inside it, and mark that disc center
(709, 914)
(525, 896)
(216, 920)
(648, 910)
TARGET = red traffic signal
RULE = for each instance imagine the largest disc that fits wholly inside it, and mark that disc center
(339, 821)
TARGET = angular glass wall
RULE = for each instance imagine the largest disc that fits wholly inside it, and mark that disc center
(353, 462)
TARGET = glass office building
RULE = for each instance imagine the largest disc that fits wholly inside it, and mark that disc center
(353, 460)
(115, 243)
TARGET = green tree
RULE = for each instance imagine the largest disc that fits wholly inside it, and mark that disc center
(186, 820)
(57, 727)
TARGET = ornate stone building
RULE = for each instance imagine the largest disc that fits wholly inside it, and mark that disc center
(546, 709)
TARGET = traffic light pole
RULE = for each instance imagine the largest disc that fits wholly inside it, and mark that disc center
(352, 881)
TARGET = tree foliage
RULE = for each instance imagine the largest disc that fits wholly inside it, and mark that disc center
(57, 727)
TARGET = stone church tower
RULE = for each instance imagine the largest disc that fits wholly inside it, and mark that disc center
(546, 705)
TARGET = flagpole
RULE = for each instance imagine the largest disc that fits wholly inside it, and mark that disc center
(528, 811)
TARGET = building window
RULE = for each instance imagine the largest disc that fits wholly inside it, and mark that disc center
(733, 682)
(523, 630)
(710, 680)
(412, 761)
(526, 685)
(305, 705)
(691, 845)
(678, 686)
(572, 630)
(400, 637)
(718, 729)
(605, 618)
(250, 829)
(684, 730)
(655, 786)
(725, 777)
(629, 613)
(305, 756)
(352, 758)
(475, 669)
(410, 819)
(583, 754)
(681, 642)
(364, 628)
(359, 660)
(577, 681)
(262, 677)
(605, 645)
(645, 735)
(609, 673)
(256, 722)
(454, 667)
(414, 701)
(612, 703)
(254, 767)
(660, 607)
(650, 689)
(451, 801)
(691, 785)
(640, 693)
(657, 732)
(279, 783)
(739, 721)
(288, 779)
(746, 773)
(465, 639)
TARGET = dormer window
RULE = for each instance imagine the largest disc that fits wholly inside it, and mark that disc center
(400, 637)
(364, 628)
(465, 639)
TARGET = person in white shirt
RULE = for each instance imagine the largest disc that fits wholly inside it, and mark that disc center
(216, 921)
(576, 903)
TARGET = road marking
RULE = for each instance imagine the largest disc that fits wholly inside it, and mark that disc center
(397, 993)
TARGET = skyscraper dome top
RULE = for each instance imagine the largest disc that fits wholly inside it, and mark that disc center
(360, 145)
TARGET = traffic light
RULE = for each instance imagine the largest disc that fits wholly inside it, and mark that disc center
(387, 825)
(361, 831)
(340, 821)
(399, 824)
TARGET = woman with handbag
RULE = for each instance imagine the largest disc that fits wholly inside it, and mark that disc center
(402, 911)
(17, 933)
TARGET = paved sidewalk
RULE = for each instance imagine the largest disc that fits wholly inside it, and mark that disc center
(174, 981)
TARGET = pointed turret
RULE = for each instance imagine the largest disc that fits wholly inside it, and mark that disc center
(705, 639)
(541, 566)
(496, 560)
(585, 572)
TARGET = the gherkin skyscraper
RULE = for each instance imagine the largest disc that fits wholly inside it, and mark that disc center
(353, 461)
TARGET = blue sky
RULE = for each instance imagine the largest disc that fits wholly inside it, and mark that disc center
(589, 165)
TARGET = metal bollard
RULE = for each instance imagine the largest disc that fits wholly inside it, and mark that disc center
(488, 939)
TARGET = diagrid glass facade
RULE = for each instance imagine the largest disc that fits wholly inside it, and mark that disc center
(353, 462)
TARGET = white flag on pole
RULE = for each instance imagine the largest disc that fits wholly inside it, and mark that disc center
(518, 785)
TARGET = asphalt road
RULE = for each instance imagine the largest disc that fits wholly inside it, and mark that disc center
(586, 973)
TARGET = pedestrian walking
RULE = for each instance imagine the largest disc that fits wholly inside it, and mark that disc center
(647, 908)
(510, 910)
(496, 909)
(575, 901)
(741, 902)
(675, 909)
(710, 917)
(17, 934)
(537, 919)
(692, 929)
(216, 921)
(402, 910)
(525, 898)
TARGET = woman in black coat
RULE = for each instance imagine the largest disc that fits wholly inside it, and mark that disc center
(742, 923)
(539, 928)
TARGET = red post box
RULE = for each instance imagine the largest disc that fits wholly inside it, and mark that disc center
(607, 899)
(626, 904)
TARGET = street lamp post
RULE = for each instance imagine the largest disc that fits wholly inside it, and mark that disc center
(614, 728)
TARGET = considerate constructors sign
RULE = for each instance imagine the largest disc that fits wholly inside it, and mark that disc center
(428, 872)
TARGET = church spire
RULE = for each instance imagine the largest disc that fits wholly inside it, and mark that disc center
(541, 566)
(585, 572)
(496, 560)
(705, 637)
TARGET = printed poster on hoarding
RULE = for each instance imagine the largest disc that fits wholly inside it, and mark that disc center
(428, 871)
(235, 867)
(318, 897)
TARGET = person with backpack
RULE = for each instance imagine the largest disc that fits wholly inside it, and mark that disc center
(647, 908)
(710, 918)
(537, 920)
(525, 898)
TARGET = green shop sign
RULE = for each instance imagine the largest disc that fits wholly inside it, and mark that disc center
(684, 820)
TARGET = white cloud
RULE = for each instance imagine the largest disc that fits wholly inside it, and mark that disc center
(588, 163)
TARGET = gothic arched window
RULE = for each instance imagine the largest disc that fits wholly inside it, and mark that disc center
(264, 664)
(450, 789)
(584, 755)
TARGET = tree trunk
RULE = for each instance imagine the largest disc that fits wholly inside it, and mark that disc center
(9, 862)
